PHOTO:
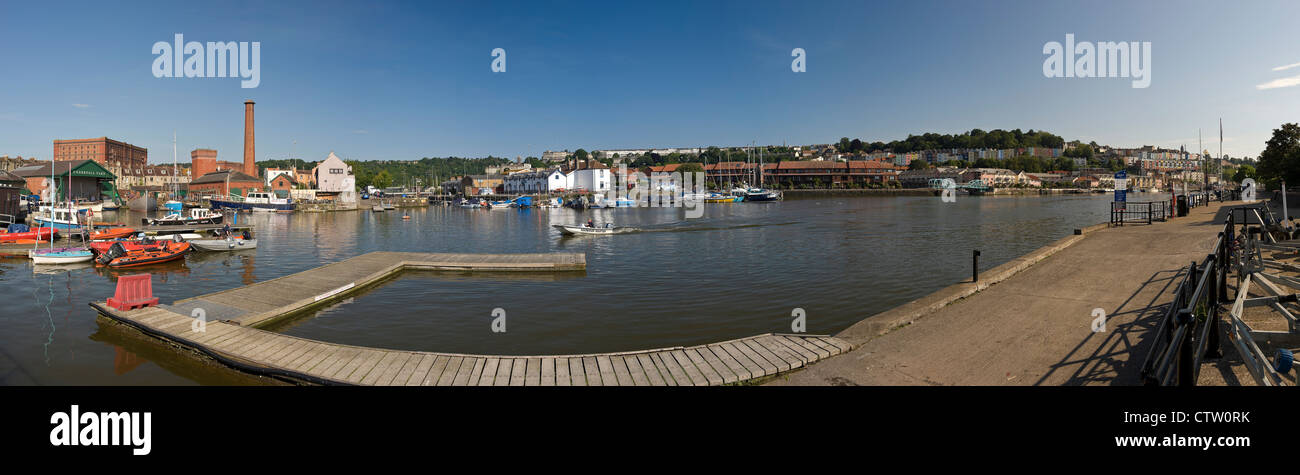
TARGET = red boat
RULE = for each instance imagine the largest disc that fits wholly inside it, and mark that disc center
(114, 233)
(100, 247)
(118, 255)
(38, 234)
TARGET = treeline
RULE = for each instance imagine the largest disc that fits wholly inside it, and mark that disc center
(420, 173)
(1031, 164)
(975, 138)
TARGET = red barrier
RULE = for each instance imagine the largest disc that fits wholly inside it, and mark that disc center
(133, 291)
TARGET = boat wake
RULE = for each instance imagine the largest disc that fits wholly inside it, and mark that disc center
(686, 227)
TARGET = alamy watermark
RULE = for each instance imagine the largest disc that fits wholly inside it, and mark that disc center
(656, 190)
(1106, 59)
(216, 59)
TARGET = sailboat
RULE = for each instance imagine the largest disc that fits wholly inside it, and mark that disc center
(65, 255)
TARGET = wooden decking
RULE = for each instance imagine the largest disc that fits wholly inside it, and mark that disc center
(229, 336)
(302, 360)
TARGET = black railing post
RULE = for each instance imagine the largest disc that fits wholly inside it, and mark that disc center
(975, 266)
(1185, 348)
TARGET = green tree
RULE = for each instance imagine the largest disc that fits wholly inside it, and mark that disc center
(690, 168)
(1281, 156)
(580, 155)
(1244, 172)
(382, 179)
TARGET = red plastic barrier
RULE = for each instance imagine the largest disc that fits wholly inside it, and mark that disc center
(133, 291)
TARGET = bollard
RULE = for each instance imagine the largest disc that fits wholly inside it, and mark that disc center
(975, 266)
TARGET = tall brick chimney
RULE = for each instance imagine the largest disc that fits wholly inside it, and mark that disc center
(250, 143)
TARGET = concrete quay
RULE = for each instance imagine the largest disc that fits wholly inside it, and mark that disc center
(1029, 321)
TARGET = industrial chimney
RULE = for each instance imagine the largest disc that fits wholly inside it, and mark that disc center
(250, 143)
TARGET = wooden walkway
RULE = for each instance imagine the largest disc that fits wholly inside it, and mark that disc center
(229, 337)
(314, 362)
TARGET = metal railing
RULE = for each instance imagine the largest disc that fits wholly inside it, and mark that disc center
(1189, 330)
(1139, 212)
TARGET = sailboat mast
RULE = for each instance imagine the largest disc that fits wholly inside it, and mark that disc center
(175, 185)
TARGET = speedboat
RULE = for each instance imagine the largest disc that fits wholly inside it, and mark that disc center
(571, 230)
(197, 216)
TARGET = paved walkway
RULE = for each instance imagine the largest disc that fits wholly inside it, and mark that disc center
(1034, 327)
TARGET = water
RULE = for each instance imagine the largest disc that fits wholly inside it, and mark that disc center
(738, 271)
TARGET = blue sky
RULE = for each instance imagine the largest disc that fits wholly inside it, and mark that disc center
(408, 80)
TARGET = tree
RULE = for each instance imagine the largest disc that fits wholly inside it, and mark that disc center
(580, 155)
(690, 168)
(918, 165)
(844, 145)
(382, 180)
(1281, 156)
(1246, 171)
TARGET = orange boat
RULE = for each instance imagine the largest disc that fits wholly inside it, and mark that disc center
(113, 233)
(165, 251)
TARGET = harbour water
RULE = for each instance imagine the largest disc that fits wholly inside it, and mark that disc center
(740, 270)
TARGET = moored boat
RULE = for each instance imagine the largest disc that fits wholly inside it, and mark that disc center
(31, 234)
(255, 201)
(226, 243)
(759, 194)
(197, 216)
(66, 255)
(163, 251)
(112, 233)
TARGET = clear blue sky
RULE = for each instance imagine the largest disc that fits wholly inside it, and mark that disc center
(410, 80)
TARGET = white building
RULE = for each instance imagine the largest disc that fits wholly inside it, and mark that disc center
(594, 179)
(557, 180)
(334, 176)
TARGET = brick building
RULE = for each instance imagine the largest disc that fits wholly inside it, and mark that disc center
(103, 150)
(225, 183)
(282, 184)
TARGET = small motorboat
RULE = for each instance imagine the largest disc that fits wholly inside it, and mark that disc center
(164, 251)
(22, 233)
(571, 230)
(226, 243)
(101, 247)
(377, 208)
(388, 206)
(66, 255)
(112, 233)
(197, 216)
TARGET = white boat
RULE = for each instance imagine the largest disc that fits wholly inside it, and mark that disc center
(224, 244)
(570, 230)
(61, 217)
(182, 237)
(60, 255)
(255, 201)
(377, 208)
